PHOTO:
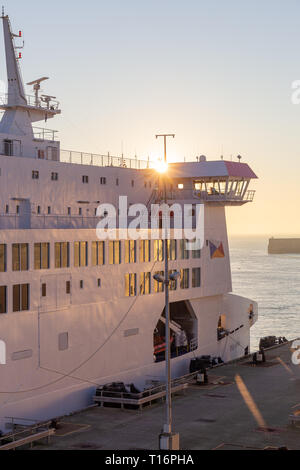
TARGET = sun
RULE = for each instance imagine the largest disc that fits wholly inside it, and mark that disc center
(161, 166)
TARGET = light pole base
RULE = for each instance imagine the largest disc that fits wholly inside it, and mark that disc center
(169, 441)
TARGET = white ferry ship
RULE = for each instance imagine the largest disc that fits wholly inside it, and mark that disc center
(77, 312)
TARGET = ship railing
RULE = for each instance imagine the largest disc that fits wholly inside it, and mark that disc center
(185, 194)
(250, 196)
(84, 158)
(63, 221)
(178, 351)
(191, 346)
(34, 221)
(230, 196)
(52, 105)
(44, 134)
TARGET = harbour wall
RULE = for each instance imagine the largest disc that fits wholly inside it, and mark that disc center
(284, 245)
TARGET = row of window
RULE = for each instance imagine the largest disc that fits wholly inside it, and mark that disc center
(85, 178)
(145, 282)
(21, 292)
(36, 175)
(20, 298)
(20, 253)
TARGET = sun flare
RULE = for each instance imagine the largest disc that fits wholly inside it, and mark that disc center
(161, 166)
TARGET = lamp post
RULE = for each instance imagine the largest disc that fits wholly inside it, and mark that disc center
(167, 439)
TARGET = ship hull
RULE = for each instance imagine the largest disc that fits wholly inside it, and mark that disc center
(52, 383)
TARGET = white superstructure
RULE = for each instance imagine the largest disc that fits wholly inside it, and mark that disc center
(76, 312)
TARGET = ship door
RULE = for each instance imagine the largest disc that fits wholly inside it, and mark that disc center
(48, 293)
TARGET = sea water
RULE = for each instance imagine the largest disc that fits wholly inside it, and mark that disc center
(271, 280)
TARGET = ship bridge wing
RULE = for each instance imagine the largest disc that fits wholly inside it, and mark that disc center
(211, 169)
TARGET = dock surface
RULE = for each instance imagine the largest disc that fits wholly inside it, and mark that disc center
(243, 407)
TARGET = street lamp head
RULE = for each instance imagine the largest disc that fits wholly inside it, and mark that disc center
(174, 276)
(158, 278)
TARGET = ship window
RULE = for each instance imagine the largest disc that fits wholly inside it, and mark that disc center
(20, 252)
(173, 284)
(8, 147)
(130, 251)
(223, 185)
(80, 211)
(130, 285)
(81, 284)
(98, 253)
(54, 176)
(62, 255)
(44, 290)
(196, 277)
(184, 278)
(49, 210)
(158, 250)
(172, 255)
(180, 186)
(145, 251)
(68, 287)
(7, 209)
(41, 154)
(221, 330)
(114, 252)
(20, 297)
(184, 252)
(159, 286)
(35, 175)
(2, 258)
(102, 180)
(52, 154)
(41, 255)
(99, 282)
(17, 209)
(145, 283)
(39, 209)
(196, 252)
(80, 254)
(3, 290)
(69, 210)
(117, 182)
(85, 179)
(132, 183)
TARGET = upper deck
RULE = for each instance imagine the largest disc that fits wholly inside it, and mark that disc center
(43, 186)
(41, 193)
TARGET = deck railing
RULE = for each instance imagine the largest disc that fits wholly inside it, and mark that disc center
(83, 158)
(52, 105)
(33, 221)
(184, 194)
(44, 134)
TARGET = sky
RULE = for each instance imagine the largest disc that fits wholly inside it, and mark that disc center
(216, 73)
